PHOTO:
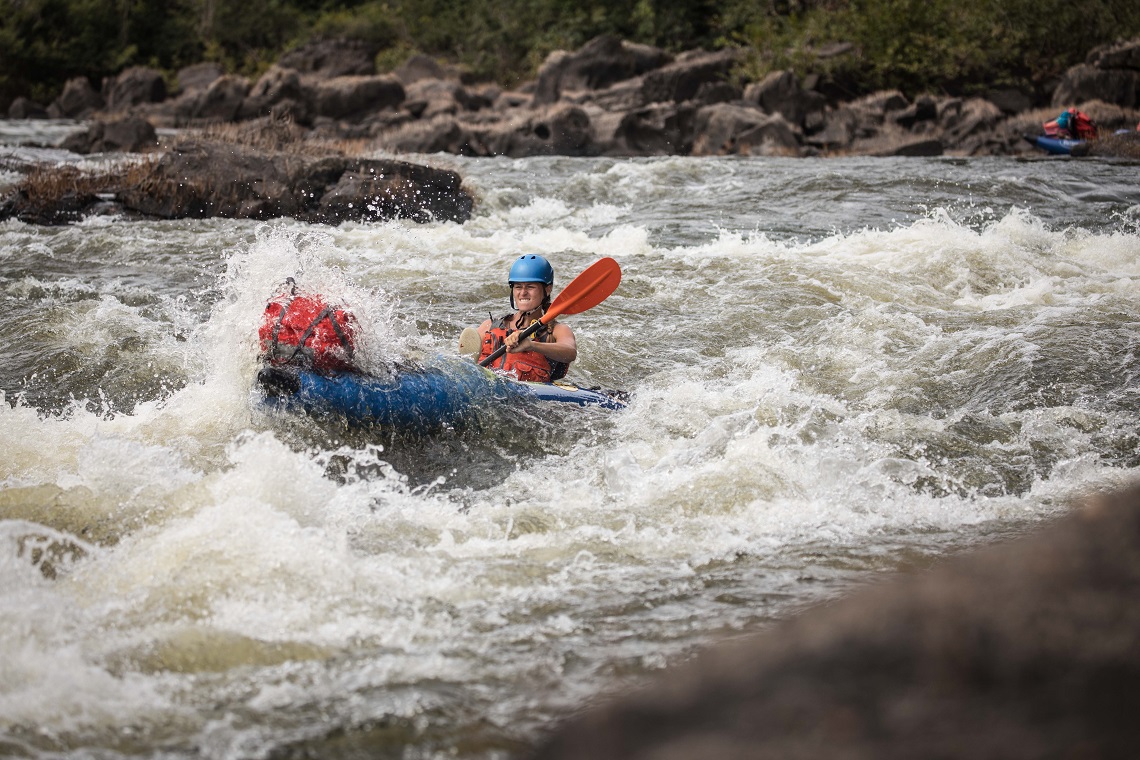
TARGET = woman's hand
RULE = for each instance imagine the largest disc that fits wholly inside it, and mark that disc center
(514, 345)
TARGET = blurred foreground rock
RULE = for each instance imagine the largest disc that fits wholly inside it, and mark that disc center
(1029, 649)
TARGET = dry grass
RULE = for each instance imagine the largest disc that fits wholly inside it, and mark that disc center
(278, 134)
(47, 185)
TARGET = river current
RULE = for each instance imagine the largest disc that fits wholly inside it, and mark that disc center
(838, 368)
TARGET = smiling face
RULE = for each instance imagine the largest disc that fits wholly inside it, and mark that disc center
(529, 295)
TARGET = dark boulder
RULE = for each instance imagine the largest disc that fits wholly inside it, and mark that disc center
(598, 64)
(332, 58)
(680, 80)
(77, 101)
(1029, 649)
(1010, 100)
(198, 179)
(721, 129)
(221, 101)
(279, 91)
(198, 76)
(354, 97)
(969, 124)
(128, 135)
(1122, 55)
(420, 66)
(444, 134)
(372, 189)
(562, 130)
(1084, 82)
(923, 109)
(22, 108)
(427, 98)
(780, 92)
(133, 86)
(204, 179)
(660, 129)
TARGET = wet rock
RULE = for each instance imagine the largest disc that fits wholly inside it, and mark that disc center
(203, 179)
(198, 76)
(718, 130)
(660, 129)
(428, 98)
(679, 81)
(1085, 82)
(278, 89)
(326, 59)
(1010, 100)
(23, 108)
(133, 86)
(222, 100)
(780, 92)
(77, 101)
(349, 97)
(128, 135)
(923, 109)
(598, 64)
(1122, 55)
(1024, 650)
(214, 179)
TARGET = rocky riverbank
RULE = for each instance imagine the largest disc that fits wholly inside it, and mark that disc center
(609, 98)
(276, 146)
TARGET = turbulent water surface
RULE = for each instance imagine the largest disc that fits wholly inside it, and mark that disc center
(838, 368)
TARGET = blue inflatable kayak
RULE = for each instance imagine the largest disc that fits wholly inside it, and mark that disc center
(422, 398)
(1059, 146)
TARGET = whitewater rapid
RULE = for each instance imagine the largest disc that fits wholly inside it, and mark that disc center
(837, 369)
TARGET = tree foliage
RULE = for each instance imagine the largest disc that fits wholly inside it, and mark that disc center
(915, 45)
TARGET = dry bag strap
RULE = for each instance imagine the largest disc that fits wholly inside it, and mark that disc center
(345, 343)
(277, 325)
(309, 331)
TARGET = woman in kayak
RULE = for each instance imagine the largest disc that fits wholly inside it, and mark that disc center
(547, 355)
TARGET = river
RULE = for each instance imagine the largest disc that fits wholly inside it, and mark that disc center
(838, 368)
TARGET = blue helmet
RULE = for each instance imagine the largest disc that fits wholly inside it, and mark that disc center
(531, 268)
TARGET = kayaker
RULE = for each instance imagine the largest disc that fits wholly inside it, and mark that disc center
(547, 355)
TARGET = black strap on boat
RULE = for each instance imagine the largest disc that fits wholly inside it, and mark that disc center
(309, 331)
(277, 326)
(345, 343)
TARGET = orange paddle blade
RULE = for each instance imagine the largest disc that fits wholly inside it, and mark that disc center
(588, 289)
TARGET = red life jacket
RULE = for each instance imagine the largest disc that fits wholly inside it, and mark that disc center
(524, 365)
(306, 331)
(1072, 124)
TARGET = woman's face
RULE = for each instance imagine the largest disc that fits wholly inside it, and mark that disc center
(528, 295)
